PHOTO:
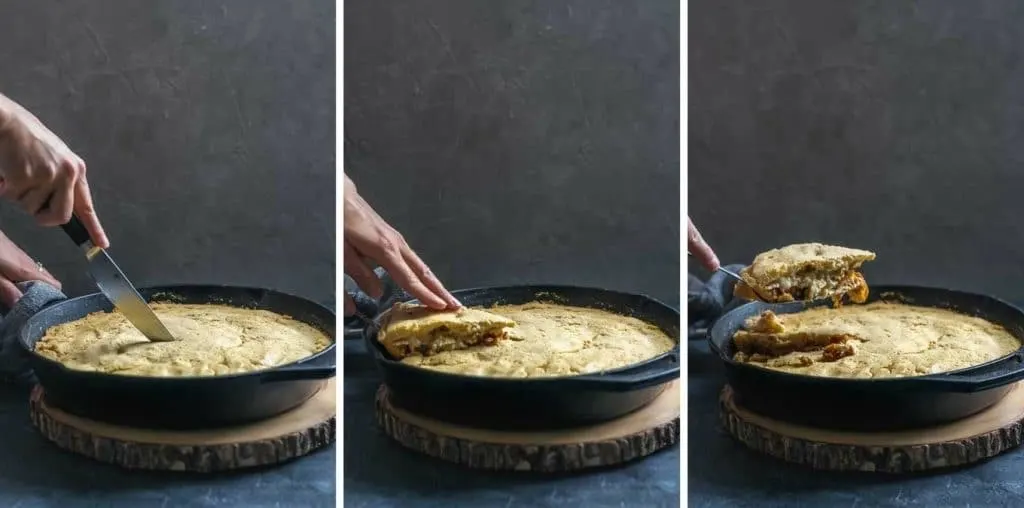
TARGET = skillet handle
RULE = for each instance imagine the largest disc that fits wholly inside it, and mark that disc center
(324, 367)
(655, 373)
(353, 332)
(1001, 374)
(368, 308)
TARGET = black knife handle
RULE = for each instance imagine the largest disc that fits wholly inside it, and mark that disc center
(76, 230)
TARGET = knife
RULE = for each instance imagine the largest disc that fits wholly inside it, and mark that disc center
(115, 286)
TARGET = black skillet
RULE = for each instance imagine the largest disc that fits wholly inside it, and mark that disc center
(183, 402)
(875, 404)
(514, 403)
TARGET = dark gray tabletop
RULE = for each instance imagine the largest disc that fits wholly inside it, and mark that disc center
(724, 473)
(379, 473)
(34, 473)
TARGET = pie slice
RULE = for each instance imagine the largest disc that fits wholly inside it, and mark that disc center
(410, 329)
(807, 271)
(765, 337)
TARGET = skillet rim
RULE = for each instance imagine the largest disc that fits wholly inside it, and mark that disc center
(148, 293)
(881, 291)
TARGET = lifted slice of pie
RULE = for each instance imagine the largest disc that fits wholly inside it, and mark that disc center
(409, 329)
(807, 271)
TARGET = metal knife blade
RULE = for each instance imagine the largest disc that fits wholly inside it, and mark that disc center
(116, 287)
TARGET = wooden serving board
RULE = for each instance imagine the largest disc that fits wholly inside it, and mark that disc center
(984, 435)
(631, 437)
(288, 436)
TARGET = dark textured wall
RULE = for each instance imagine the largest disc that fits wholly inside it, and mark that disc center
(521, 141)
(208, 128)
(892, 126)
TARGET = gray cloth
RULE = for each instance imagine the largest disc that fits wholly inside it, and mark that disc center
(367, 305)
(708, 300)
(14, 366)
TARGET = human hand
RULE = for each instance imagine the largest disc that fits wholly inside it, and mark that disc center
(40, 173)
(16, 267)
(369, 239)
(700, 249)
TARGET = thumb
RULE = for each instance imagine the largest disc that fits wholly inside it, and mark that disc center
(9, 293)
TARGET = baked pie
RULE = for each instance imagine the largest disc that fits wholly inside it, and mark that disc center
(808, 271)
(550, 340)
(409, 329)
(876, 340)
(211, 340)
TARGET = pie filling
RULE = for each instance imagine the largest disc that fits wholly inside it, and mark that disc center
(809, 284)
(443, 338)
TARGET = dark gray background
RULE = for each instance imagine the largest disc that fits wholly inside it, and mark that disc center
(891, 126)
(208, 128)
(521, 141)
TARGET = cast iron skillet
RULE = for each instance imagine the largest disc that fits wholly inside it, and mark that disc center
(511, 403)
(183, 402)
(875, 404)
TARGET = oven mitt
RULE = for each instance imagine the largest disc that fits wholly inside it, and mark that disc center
(14, 367)
(708, 300)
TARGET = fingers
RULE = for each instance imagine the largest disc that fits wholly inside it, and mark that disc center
(427, 277)
(16, 266)
(87, 213)
(368, 236)
(350, 305)
(699, 248)
(9, 293)
(24, 274)
(362, 274)
(48, 278)
(61, 202)
(393, 260)
(35, 199)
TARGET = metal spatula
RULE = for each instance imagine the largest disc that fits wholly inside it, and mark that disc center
(722, 269)
(737, 278)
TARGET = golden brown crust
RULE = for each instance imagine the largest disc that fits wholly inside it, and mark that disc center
(787, 261)
(211, 340)
(409, 329)
(875, 340)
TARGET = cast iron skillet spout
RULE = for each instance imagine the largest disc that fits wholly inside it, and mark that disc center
(881, 403)
(523, 403)
(183, 402)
